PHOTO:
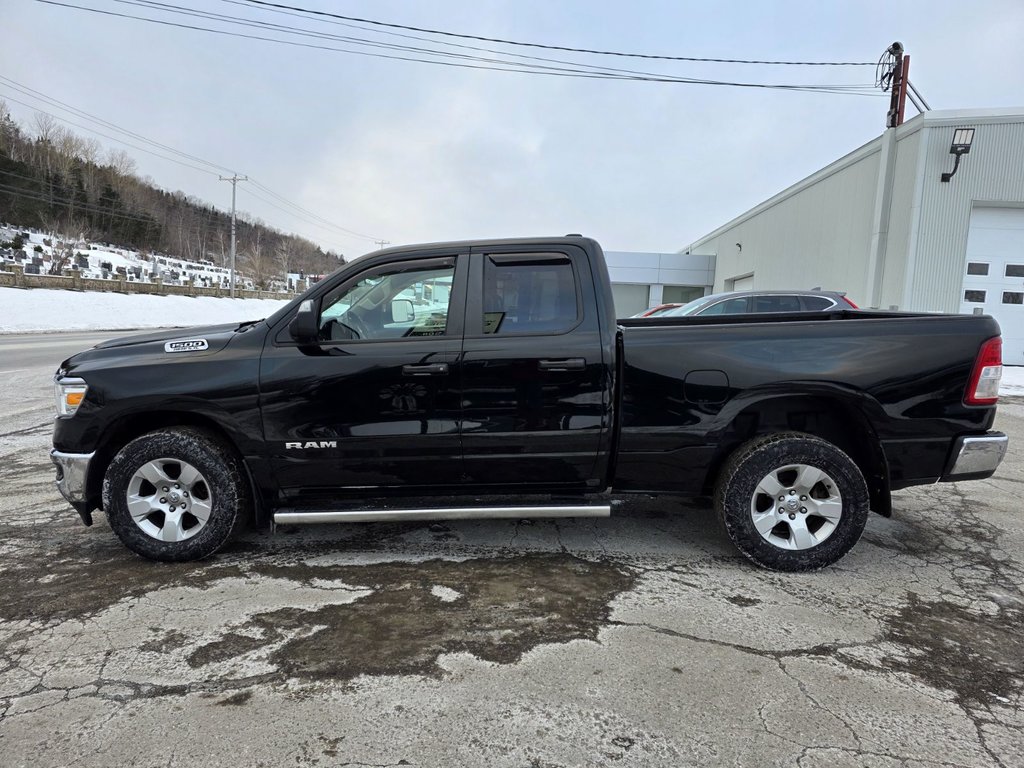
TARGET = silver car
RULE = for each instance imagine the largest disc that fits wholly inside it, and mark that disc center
(749, 302)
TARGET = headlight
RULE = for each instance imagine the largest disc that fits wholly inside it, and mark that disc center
(69, 394)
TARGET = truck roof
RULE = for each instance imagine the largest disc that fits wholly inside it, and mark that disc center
(485, 243)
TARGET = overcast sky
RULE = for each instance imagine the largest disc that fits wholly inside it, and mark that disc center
(412, 152)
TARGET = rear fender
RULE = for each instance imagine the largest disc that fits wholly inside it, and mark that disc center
(842, 415)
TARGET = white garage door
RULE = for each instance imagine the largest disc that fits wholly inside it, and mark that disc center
(743, 283)
(994, 274)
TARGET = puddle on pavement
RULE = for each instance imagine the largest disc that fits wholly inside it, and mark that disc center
(506, 607)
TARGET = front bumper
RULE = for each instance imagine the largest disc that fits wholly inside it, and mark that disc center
(977, 457)
(72, 474)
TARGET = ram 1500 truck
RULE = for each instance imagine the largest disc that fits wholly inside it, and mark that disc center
(497, 369)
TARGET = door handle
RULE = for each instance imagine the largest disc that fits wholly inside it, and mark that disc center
(425, 369)
(566, 364)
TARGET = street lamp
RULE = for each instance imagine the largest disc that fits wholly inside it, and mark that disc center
(962, 139)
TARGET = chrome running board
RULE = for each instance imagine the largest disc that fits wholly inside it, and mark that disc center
(312, 516)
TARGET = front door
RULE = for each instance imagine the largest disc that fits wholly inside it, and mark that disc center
(376, 402)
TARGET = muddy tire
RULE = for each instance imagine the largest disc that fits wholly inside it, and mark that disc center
(792, 502)
(176, 494)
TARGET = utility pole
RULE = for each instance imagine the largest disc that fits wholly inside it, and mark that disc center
(898, 88)
(382, 243)
(234, 179)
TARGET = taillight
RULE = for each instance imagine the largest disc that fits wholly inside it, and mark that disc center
(983, 386)
(850, 303)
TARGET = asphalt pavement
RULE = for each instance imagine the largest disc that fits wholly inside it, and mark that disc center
(638, 640)
(28, 351)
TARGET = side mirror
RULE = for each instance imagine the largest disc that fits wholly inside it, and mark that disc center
(402, 311)
(304, 327)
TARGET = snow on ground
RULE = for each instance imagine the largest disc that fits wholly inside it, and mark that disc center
(41, 309)
(1012, 382)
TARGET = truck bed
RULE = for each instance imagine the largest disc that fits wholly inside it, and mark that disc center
(898, 377)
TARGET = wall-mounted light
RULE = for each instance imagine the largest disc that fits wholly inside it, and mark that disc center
(962, 139)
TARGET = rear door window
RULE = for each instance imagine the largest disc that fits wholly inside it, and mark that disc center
(529, 294)
(778, 303)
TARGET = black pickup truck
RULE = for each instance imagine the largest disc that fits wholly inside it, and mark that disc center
(467, 371)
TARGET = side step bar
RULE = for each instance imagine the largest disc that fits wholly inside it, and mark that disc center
(300, 516)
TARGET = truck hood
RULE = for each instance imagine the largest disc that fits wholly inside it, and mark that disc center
(212, 334)
(172, 346)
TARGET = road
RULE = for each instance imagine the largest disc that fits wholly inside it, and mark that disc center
(640, 640)
(27, 351)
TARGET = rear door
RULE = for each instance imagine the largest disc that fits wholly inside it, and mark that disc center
(376, 403)
(536, 393)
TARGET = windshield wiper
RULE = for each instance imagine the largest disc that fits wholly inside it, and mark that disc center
(247, 325)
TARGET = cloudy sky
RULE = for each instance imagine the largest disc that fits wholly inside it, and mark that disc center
(410, 152)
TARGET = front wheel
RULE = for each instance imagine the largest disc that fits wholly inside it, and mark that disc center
(175, 494)
(792, 502)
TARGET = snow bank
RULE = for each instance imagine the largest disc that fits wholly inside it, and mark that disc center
(40, 309)
(1012, 382)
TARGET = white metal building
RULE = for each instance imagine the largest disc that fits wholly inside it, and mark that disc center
(642, 280)
(881, 225)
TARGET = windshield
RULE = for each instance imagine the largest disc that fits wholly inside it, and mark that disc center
(689, 308)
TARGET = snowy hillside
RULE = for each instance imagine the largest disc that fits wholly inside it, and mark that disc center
(100, 260)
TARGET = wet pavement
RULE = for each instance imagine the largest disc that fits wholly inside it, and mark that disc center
(640, 640)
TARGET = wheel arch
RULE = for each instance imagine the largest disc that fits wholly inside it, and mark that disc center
(840, 418)
(129, 426)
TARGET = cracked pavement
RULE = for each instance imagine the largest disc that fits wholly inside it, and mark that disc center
(640, 640)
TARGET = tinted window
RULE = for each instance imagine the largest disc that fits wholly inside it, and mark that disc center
(817, 303)
(392, 302)
(1015, 270)
(975, 296)
(529, 295)
(728, 307)
(1012, 297)
(776, 303)
(977, 268)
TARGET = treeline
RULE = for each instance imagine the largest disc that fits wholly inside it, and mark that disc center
(55, 181)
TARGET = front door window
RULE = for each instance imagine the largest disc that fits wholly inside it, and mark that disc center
(393, 302)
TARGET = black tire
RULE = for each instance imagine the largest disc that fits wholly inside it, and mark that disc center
(767, 455)
(222, 472)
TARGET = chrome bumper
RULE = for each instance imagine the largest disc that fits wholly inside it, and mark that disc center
(72, 473)
(976, 456)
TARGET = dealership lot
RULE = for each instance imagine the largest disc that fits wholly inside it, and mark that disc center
(639, 640)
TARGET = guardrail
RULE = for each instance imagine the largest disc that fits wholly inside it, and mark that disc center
(14, 276)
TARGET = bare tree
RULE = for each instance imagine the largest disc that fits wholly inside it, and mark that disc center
(121, 162)
(259, 261)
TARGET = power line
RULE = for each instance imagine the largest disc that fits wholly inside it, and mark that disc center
(562, 47)
(315, 218)
(84, 207)
(573, 66)
(108, 136)
(49, 100)
(33, 93)
(859, 90)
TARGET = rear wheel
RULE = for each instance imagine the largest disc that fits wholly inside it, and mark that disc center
(175, 494)
(792, 502)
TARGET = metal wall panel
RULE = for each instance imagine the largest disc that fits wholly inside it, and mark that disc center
(993, 172)
(903, 217)
(816, 234)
